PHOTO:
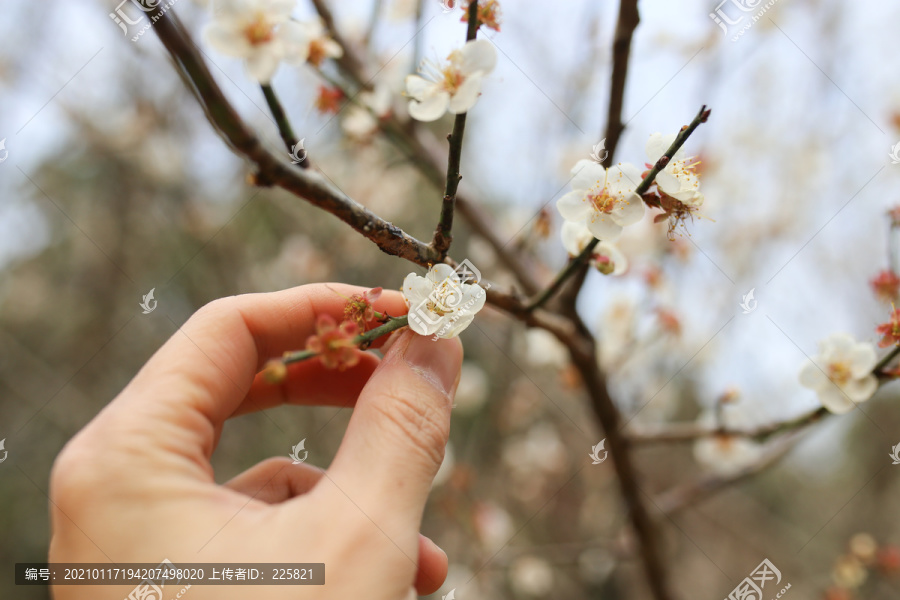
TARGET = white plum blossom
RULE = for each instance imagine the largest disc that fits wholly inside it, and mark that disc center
(724, 454)
(603, 199)
(260, 32)
(455, 86)
(607, 257)
(679, 178)
(441, 303)
(319, 44)
(841, 374)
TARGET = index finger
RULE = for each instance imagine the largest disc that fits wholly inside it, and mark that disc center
(207, 367)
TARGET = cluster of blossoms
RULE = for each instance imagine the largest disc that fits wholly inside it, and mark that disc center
(263, 34)
(603, 201)
(841, 373)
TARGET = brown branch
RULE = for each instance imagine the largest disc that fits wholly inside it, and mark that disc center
(627, 22)
(689, 494)
(443, 235)
(686, 432)
(282, 122)
(271, 169)
(629, 18)
(429, 164)
(585, 360)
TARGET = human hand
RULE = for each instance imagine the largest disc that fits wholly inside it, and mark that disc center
(136, 484)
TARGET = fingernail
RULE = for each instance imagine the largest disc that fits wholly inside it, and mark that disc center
(439, 361)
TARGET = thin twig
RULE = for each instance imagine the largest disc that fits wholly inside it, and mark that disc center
(443, 235)
(363, 340)
(429, 164)
(627, 22)
(275, 170)
(281, 120)
(642, 187)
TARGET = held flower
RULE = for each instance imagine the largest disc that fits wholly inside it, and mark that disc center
(333, 343)
(841, 374)
(454, 87)
(607, 258)
(603, 199)
(441, 303)
(679, 178)
(258, 31)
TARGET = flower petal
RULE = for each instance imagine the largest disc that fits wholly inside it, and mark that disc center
(812, 377)
(226, 39)
(574, 206)
(860, 390)
(419, 87)
(658, 144)
(862, 360)
(261, 65)
(603, 227)
(466, 95)
(835, 400)
(429, 109)
(623, 178)
(478, 56)
(629, 211)
(587, 174)
(575, 236)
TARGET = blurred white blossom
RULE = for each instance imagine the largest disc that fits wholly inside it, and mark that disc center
(841, 374)
(361, 120)
(542, 349)
(607, 258)
(260, 32)
(531, 576)
(473, 388)
(727, 454)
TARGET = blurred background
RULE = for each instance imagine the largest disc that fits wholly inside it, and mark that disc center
(115, 184)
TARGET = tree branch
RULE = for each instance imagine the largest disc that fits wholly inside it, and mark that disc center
(627, 22)
(273, 170)
(443, 233)
(281, 120)
(429, 164)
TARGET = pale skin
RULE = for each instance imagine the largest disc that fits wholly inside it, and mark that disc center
(136, 485)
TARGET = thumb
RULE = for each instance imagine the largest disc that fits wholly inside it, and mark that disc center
(395, 441)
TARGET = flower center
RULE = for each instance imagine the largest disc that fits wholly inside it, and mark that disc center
(259, 31)
(452, 79)
(683, 169)
(602, 201)
(317, 52)
(839, 372)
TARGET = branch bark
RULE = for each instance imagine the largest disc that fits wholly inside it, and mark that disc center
(274, 170)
